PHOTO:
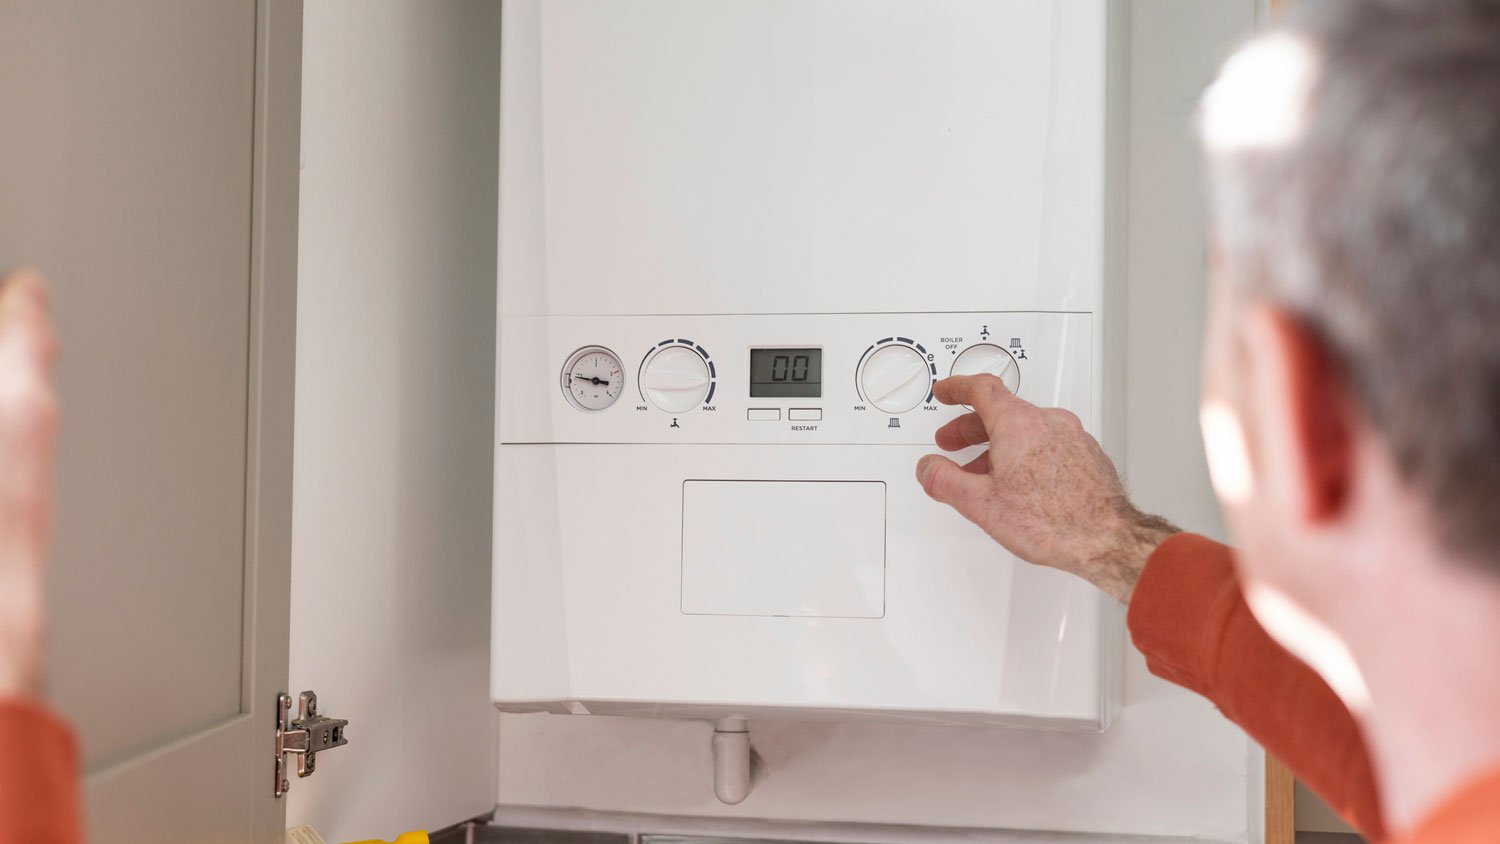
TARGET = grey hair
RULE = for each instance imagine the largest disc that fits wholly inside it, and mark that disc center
(1373, 213)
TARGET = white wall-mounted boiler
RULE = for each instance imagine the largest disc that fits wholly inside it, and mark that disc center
(739, 242)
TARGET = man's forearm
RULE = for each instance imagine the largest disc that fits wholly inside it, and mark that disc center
(1118, 567)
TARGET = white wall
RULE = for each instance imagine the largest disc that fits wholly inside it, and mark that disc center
(395, 414)
(1171, 765)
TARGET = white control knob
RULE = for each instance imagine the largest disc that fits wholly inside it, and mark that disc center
(675, 379)
(895, 378)
(989, 359)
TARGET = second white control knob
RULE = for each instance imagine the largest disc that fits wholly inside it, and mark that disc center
(895, 378)
(675, 379)
(989, 359)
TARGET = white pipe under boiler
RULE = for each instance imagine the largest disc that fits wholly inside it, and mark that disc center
(732, 760)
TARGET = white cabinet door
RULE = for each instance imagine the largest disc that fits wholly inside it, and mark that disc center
(395, 410)
(149, 167)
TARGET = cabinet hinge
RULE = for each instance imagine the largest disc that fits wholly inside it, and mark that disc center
(306, 736)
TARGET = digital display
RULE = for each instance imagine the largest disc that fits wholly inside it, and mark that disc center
(786, 373)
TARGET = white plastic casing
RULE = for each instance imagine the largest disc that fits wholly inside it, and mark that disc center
(890, 184)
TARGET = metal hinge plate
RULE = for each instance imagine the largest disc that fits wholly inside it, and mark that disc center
(304, 736)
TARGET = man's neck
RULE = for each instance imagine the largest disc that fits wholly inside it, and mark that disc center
(1431, 662)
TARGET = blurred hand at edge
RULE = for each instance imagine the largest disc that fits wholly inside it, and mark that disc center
(28, 435)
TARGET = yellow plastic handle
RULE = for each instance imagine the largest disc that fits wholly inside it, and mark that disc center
(408, 838)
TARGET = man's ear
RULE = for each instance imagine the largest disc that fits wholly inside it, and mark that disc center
(1302, 408)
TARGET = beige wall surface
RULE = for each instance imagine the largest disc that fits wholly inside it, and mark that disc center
(1171, 765)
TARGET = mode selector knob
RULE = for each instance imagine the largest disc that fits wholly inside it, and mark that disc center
(989, 359)
(895, 378)
(675, 379)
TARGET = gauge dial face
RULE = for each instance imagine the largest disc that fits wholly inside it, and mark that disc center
(593, 378)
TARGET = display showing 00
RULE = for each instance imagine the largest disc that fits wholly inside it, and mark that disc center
(795, 366)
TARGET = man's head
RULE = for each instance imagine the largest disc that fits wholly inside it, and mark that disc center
(1352, 399)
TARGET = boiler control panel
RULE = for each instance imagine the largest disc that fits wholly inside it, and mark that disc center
(775, 378)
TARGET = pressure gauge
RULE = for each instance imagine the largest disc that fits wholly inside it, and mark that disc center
(593, 378)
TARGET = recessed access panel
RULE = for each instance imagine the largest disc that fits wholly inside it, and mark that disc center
(783, 548)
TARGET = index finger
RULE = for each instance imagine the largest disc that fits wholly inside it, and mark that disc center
(986, 393)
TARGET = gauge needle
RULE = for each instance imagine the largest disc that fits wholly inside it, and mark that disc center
(599, 382)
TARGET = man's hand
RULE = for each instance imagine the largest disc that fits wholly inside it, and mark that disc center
(1044, 489)
(28, 431)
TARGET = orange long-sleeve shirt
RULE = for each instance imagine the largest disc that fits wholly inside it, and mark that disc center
(38, 777)
(1191, 621)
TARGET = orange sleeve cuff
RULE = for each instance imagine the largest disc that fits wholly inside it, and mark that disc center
(38, 776)
(1178, 612)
